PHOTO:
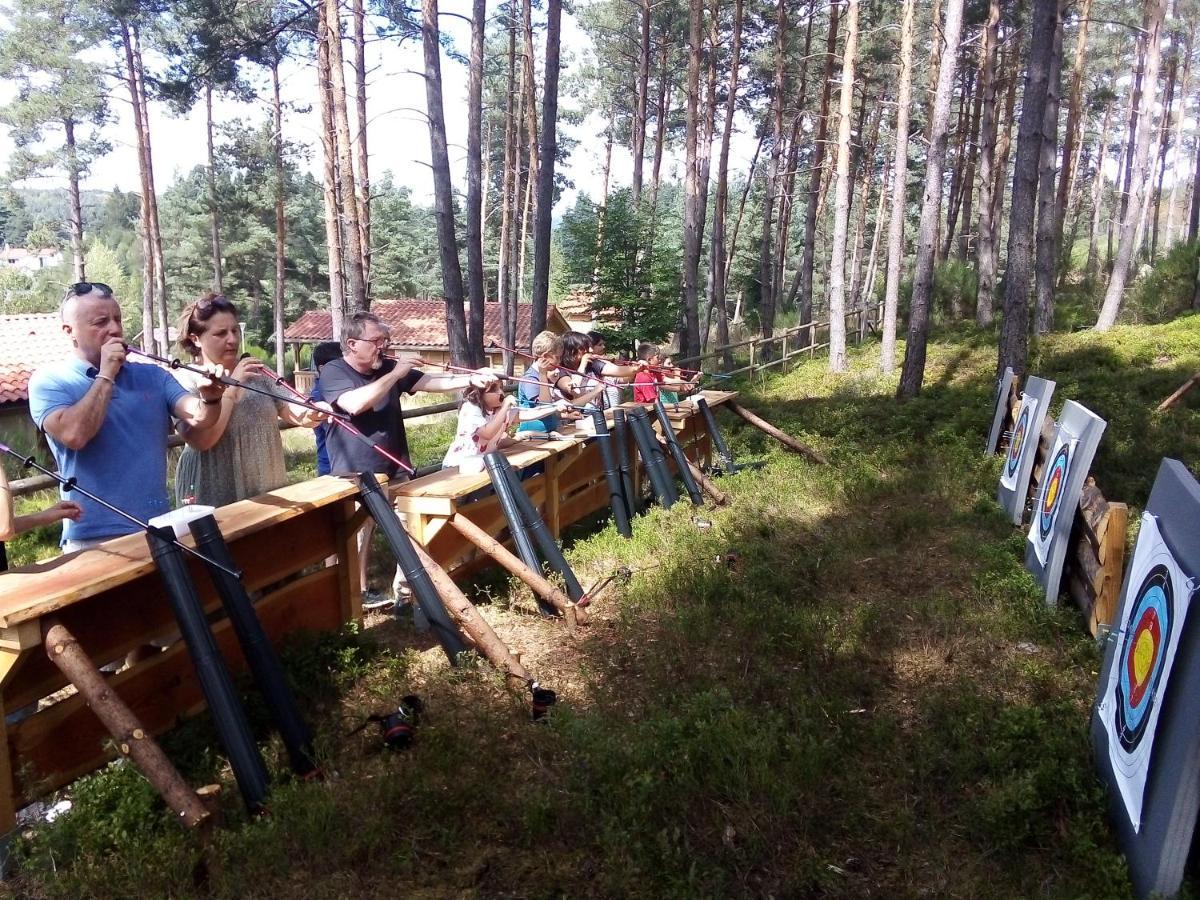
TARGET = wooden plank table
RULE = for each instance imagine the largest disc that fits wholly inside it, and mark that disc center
(567, 484)
(113, 600)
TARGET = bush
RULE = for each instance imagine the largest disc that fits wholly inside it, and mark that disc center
(1166, 290)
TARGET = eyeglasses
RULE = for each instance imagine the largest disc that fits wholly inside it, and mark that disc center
(380, 342)
(83, 288)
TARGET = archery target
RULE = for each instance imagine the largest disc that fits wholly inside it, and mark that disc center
(1152, 613)
(1021, 437)
(1050, 496)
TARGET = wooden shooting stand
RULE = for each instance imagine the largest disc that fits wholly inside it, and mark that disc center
(569, 487)
(112, 600)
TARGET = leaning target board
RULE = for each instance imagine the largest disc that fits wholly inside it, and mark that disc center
(1000, 414)
(1072, 449)
(1146, 721)
(1022, 447)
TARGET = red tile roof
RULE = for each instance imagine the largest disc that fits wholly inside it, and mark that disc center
(421, 323)
(26, 342)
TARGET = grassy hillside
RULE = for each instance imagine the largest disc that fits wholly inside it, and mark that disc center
(846, 686)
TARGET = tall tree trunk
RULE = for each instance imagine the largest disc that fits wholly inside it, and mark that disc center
(338, 295)
(1046, 251)
(1093, 257)
(1072, 137)
(529, 89)
(1194, 214)
(214, 212)
(1114, 210)
(912, 374)
(766, 261)
(141, 111)
(1164, 144)
(737, 222)
(1135, 109)
(1014, 331)
(1004, 150)
(1172, 204)
(708, 124)
(280, 219)
(504, 287)
(74, 205)
(443, 190)
(475, 182)
(356, 287)
(641, 98)
(362, 169)
(809, 255)
(788, 196)
(717, 256)
(545, 184)
(985, 254)
(1156, 10)
(602, 209)
(665, 85)
(841, 203)
(967, 191)
(690, 337)
(149, 278)
(891, 292)
(863, 298)
(962, 132)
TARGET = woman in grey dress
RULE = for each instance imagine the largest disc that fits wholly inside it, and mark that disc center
(242, 455)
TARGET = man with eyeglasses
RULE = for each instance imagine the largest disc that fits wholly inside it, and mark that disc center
(107, 423)
(367, 385)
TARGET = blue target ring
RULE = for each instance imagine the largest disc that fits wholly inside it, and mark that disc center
(1056, 483)
(1143, 656)
(1018, 441)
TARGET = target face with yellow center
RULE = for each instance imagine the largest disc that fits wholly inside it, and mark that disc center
(1013, 460)
(1148, 631)
(1056, 482)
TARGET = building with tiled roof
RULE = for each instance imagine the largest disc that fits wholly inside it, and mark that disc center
(30, 260)
(420, 326)
(26, 342)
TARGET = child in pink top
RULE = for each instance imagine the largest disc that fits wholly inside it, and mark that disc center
(483, 422)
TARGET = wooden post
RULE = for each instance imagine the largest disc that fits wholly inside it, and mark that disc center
(132, 739)
(753, 344)
(1183, 389)
(767, 428)
(476, 627)
(718, 496)
(572, 614)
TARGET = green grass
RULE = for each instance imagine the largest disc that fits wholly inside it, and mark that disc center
(870, 700)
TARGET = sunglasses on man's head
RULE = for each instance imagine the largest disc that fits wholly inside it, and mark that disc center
(83, 288)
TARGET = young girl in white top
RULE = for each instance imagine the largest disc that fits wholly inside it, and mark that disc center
(483, 422)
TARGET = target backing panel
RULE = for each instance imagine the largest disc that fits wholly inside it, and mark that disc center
(1146, 719)
(1022, 447)
(1076, 437)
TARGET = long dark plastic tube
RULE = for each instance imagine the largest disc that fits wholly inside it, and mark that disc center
(681, 461)
(498, 467)
(516, 524)
(424, 592)
(620, 432)
(612, 475)
(256, 647)
(536, 525)
(710, 422)
(228, 714)
(653, 459)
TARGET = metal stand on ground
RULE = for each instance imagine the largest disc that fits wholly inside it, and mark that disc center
(653, 459)
(256, 647)
(228, 714)
(425, 594)
(537, 527)
(612, 475)
(620, 432)
(710, 422)
(681, 460)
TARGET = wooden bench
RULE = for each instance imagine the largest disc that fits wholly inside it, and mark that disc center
(113, 600)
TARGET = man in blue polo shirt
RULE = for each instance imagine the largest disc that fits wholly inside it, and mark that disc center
(107, 422)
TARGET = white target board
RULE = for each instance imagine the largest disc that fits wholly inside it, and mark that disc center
(1022, 447)
(1146, 720)
(1076, 437)
(1153, 610)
